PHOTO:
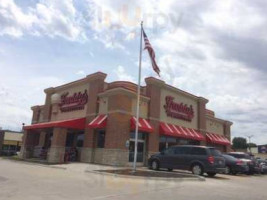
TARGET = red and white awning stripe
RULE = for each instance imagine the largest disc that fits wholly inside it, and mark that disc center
(217, 139)
(99, 122)
(143, 125)
(71, 123)
(179, 131)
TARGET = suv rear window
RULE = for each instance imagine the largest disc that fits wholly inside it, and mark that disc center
(215, 152)
(198, 151)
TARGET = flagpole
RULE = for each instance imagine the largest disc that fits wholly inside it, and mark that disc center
(138, 100)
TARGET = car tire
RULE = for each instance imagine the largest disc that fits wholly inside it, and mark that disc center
(170, 169)
(197, 169)
(228, 170)
(155, 165)
(211, 174)
(234, 173)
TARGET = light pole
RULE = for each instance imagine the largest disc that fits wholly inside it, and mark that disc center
(249, 137)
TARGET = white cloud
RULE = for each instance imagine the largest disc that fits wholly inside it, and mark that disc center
(17, 97)
(234, 17)
(12, 20)
(51, 18)
(123, 75)
(80, 73)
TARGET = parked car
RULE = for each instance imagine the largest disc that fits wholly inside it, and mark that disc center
(198, 159)
(234, 165)
(251, 162)
(262, 165)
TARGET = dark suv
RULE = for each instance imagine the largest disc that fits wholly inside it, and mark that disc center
(198, 159)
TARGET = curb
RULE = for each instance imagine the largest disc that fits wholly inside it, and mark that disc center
(194, 178)
(27, 162)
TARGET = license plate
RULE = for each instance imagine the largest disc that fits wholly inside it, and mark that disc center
(220, 162)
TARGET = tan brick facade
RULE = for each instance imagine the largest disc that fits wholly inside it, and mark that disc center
(117, 100)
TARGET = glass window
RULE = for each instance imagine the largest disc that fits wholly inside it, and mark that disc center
(69, 140)
(141, 136)
(80, 139)
(169, 151)
(185, 150)
(198, 151)
(101, 139)
(215, 152)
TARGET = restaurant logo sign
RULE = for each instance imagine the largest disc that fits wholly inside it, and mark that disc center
(77, 101)
(178, 110)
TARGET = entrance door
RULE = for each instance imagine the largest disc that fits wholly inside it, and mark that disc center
(140, 151)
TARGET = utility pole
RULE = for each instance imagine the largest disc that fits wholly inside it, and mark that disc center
(249, 146)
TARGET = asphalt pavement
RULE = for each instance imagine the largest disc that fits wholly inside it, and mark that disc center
(27, 181)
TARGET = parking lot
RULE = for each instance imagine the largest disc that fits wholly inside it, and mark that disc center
(21, 180)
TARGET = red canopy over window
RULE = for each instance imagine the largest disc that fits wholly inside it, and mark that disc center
(73, 124)
(217, 139)
(179, 131)
(99, 122)
(143, 125)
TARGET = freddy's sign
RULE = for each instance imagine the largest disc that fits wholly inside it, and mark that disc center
(77, 101)
(178, 110)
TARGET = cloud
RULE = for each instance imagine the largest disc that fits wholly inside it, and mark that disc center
(80, 73)
(50, 18)
(16, 98)
(13, 21)
(123, 75)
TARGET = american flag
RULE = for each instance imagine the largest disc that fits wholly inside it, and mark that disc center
(151, 53)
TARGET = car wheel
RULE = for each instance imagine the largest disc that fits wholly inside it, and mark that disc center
(169, 169)
(211, 174)
(197, 170)
(227, 170)
(155, 165)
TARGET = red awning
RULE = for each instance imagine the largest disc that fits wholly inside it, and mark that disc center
(143, 125)
(179, 131)
(73, 124)
(217, 139)
(99, 122)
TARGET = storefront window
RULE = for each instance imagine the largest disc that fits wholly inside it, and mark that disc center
(101, 139)
(80, 139)
(70, 139)
(141, 136)
(166, 142)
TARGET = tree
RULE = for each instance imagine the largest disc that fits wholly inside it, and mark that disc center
(240, 143)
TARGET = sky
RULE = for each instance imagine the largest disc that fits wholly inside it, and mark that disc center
(211, 48)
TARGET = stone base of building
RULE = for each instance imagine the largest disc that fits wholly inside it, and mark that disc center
(115, 157)
(56, 155)
(26, 152)
(86, 155)
(37, 151)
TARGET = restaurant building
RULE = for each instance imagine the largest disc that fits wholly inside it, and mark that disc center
(96, 120)
(10, 142)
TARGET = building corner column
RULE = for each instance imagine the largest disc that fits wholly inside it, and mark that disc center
(56, 152)
(202, 118)
(96, 84)
(29, 140)
(153, 90)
